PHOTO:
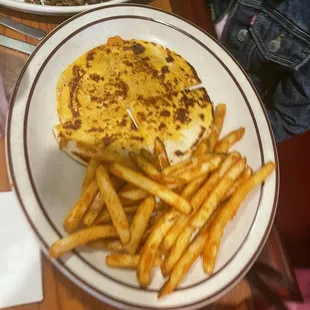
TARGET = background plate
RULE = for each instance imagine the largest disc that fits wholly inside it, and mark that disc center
(22, 6)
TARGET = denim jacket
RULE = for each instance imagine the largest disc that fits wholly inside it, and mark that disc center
(271, 40)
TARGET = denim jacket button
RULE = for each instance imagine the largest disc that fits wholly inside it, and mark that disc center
(273, 46)
(242, 35)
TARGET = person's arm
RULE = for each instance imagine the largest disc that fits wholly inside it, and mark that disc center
(288, 106)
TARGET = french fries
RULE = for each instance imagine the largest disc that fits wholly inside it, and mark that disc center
(208, 186)
(148, 168)
(81, 237)
(139, 224)
(95, 208)
(76, 214)
(98, 203)
(128, 261)
(105, 216)
(192, 187)
(177, 250)
(201, 150)
(109, 245)
(176, 212)
(177, 228)
(90, 172)
(244, 176)
(227, 212)
(185, 262)
(205, 167)
(134, 194)
(211, 203)
(150, 157)
(199, 218)
(196, 202)
(113, 204)
(161, 154)
(168, 196)
(219, 116)
(229, 140)
(181, 166)
(151, 171)
(151, 245)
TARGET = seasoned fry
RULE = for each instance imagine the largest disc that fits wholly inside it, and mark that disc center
(81, 237)
(219, 117)
(177, 250)
(156, 217)
(226, 214)
(104, 216)
(229, 140)
(152, 187)
(150, 157)
(244, 176)
(95, 208)
(191, 188)
(90, 172)
(201, 150)
(147, 155)
(77, 212)
(185, 262)
(178, 227)
(181, 166)
(206, 189)
(148, 168)
(161, 154)
(199, 218)
(109, 245)
(172, 182)
(128, 203)
(151, 171)
(203, 168)
(98, 203)
(211, 203)
(147, 234)
(128, 261)
(139, 224)
(196, 162)
(151, 245)
(196, 202)
(134, 194)
(113, 204)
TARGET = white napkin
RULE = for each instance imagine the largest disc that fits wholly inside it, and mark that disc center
(20, 258)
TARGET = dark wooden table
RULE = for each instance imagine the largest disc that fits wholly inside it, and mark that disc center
(59, 292)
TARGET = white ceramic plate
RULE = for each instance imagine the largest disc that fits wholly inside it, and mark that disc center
(47, 181)
(22, 6)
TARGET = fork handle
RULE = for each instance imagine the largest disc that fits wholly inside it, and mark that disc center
(27, 30)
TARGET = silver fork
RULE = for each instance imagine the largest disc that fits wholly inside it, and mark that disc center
(27, 30)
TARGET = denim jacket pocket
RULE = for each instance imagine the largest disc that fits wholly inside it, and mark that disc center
(280, 41)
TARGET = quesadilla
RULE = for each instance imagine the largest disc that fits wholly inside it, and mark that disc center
(135, 82)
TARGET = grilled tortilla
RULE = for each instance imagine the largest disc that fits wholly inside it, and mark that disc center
(98, 89)
(119, 72)
(109, 139)
(180, 119)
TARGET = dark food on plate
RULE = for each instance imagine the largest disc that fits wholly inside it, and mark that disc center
(118, 209)
(65, 2)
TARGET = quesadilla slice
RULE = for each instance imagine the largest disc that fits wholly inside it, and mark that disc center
(109, 139)
(181, 120)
